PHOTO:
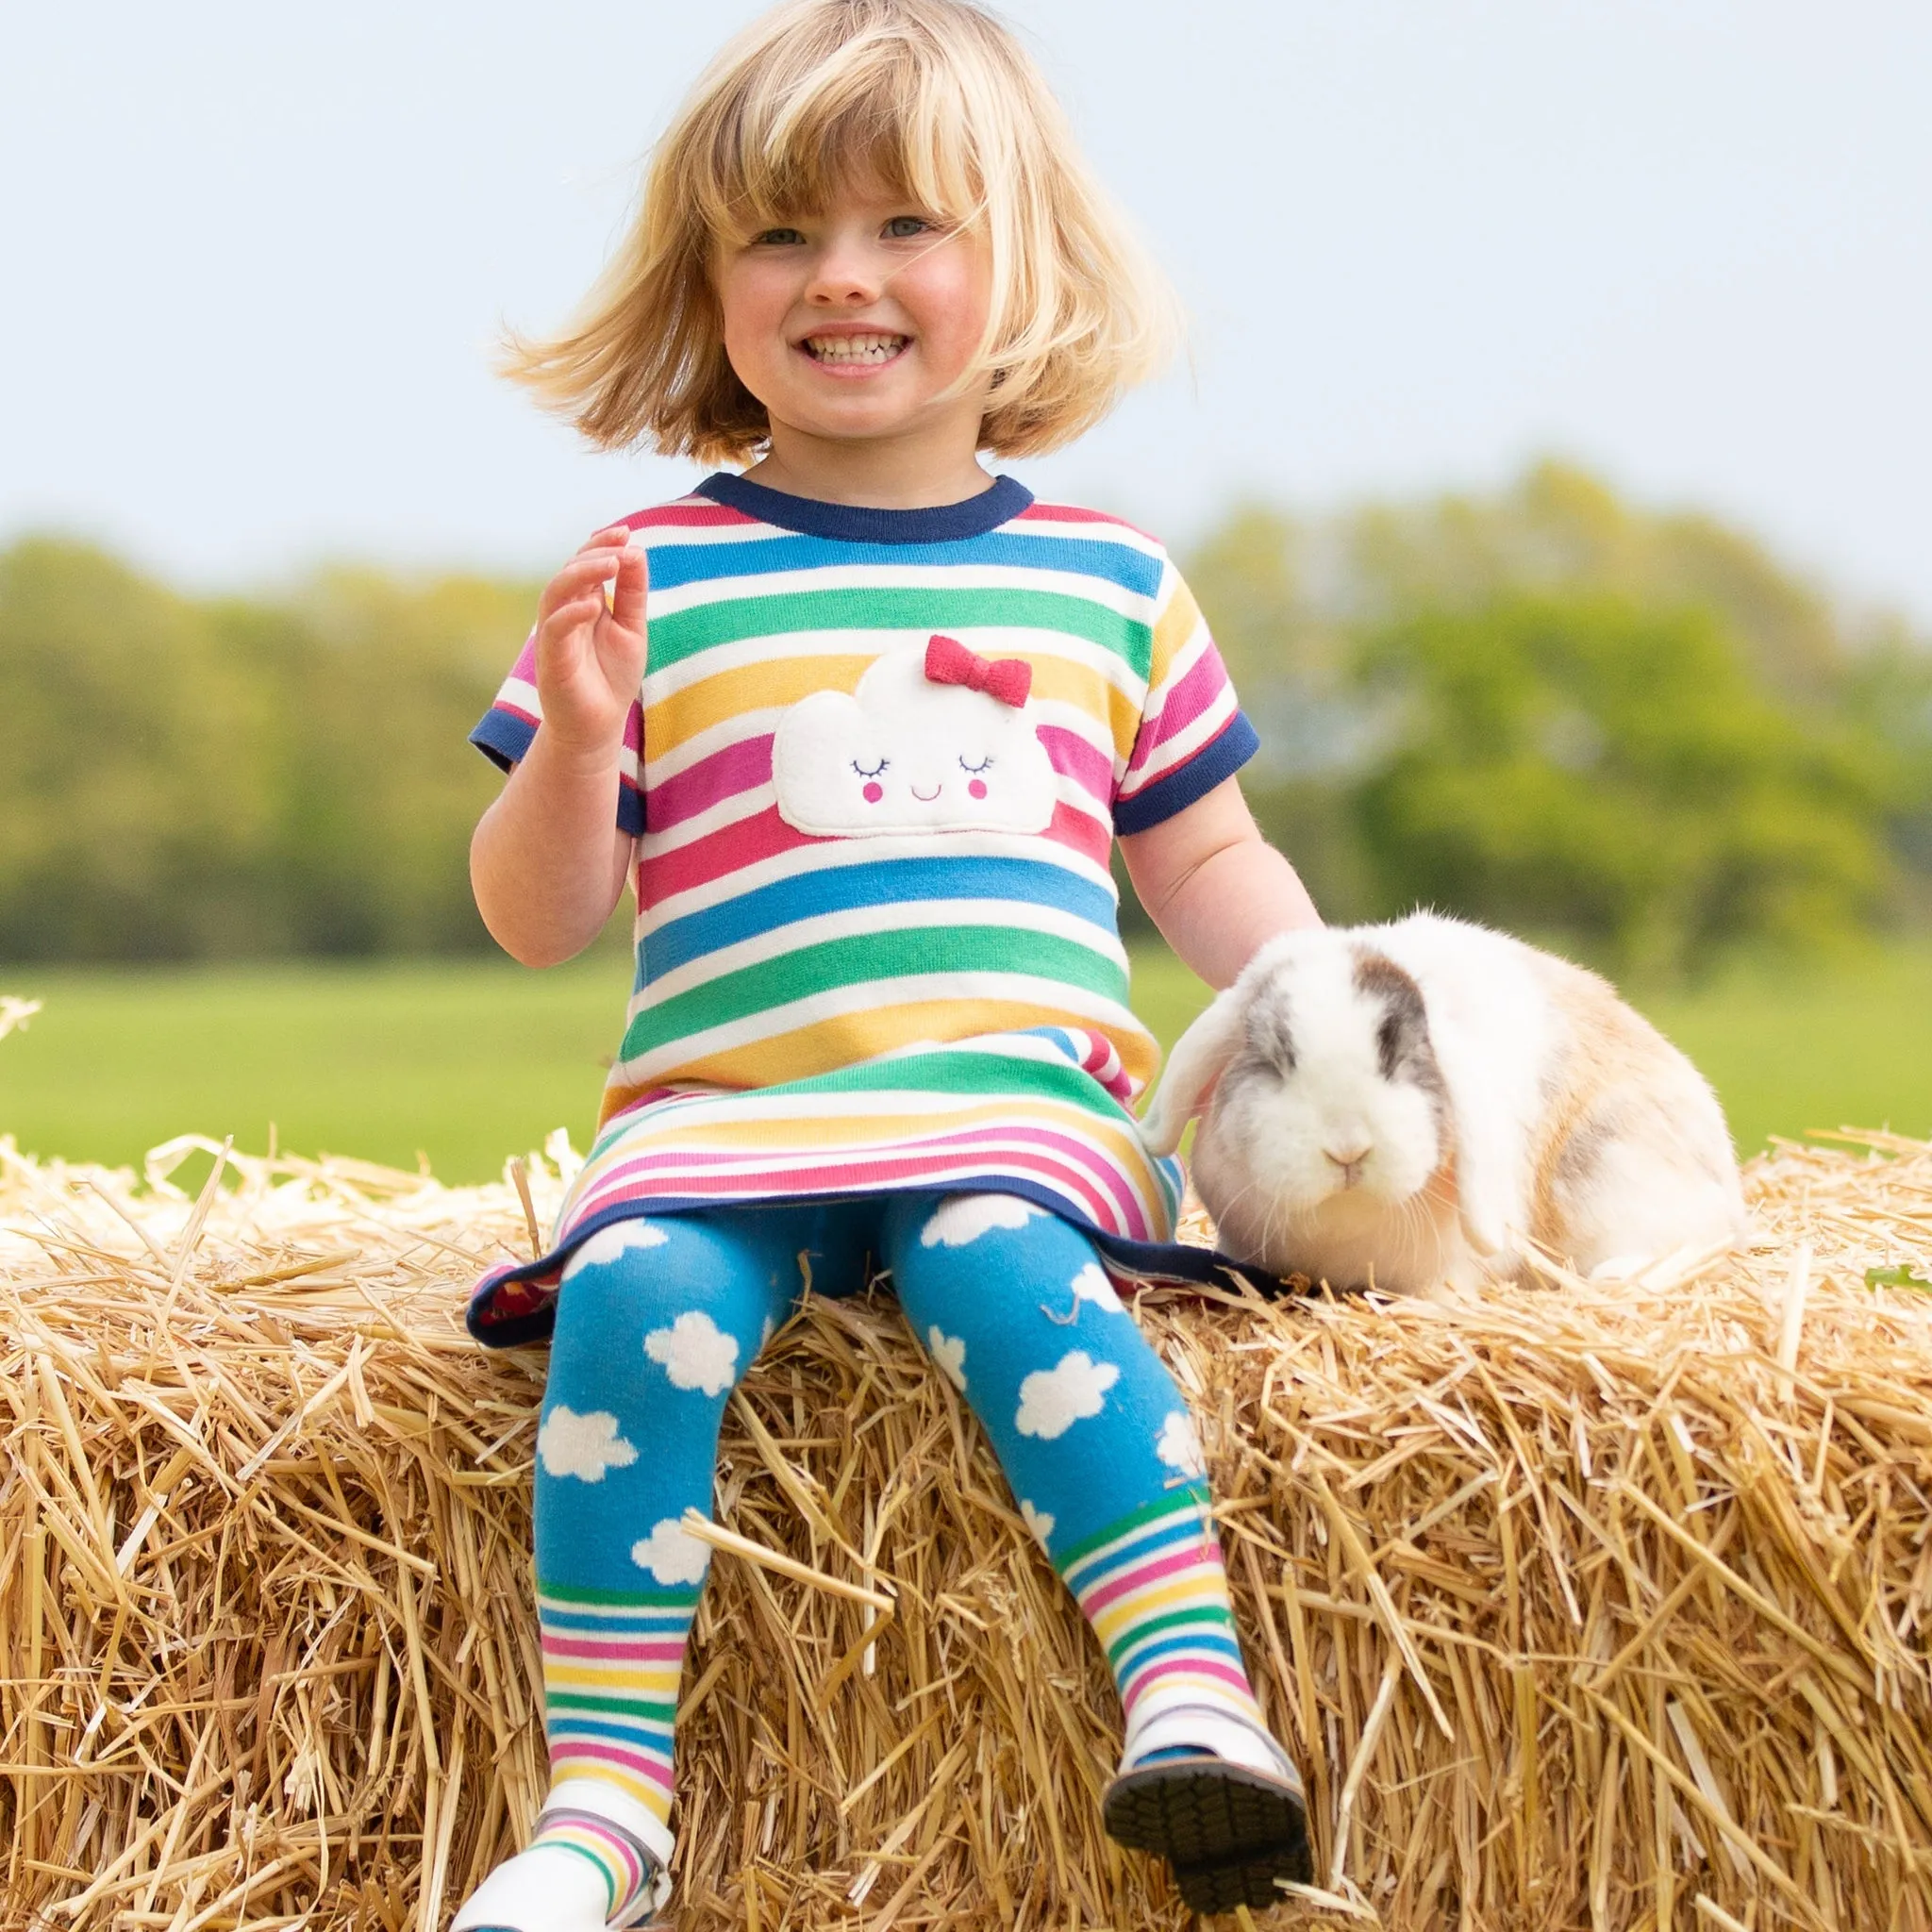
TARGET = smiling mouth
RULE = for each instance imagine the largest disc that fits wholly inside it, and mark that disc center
(853, 351)
(926, 798)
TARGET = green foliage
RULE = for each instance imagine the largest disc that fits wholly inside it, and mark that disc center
(1577, 767)
(375, 789)
(234, 778)
(1632, 735)
(134, 798)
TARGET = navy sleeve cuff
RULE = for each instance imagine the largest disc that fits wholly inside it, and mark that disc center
(1219, 759)
(503, 738)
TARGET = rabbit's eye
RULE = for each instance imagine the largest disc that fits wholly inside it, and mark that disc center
(1271, 1034)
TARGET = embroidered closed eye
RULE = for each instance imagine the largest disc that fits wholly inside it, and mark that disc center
(870, 770)
(984, 765)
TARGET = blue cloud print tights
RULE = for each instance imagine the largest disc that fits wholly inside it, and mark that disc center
(658, 1319)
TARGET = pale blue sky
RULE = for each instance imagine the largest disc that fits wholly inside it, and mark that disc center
(254, 257)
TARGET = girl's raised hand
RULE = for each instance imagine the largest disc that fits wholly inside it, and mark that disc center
(591, 650)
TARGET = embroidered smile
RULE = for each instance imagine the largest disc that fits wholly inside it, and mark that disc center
(849, 350)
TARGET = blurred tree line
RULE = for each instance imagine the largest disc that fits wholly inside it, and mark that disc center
(1630, 734)
(239, 778)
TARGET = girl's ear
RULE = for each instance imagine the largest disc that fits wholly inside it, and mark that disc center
(1199, 1058)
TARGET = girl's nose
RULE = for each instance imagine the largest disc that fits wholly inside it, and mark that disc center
(845, 276)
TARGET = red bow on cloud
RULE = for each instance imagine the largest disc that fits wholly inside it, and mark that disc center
(1009, 679)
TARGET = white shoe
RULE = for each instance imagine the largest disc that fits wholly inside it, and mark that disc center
(551, 1888)
(545, 1889)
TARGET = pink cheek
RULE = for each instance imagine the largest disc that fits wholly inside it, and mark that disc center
(874, 791)
(977, 788)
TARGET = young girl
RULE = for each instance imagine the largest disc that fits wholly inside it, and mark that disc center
(864, 779)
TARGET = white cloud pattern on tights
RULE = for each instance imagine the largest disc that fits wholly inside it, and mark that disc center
(1091, 1285)
(1179, 1446)
(696, 1353)
(1053, 1400)
(582, 1445)
(949, 1352)
(963, 1218)
(671, 1555)
(620, 1238)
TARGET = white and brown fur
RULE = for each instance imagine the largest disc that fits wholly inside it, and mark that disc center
(1405, 1104)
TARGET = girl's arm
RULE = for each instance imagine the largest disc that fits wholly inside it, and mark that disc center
(1215, 888)
(548, 863)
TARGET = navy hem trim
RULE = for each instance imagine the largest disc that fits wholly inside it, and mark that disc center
(502, 739)
(1217, 759)
(630, 809)
(853, 523)
(1151, 1261)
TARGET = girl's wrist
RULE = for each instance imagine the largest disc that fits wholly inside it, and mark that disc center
(587, 758)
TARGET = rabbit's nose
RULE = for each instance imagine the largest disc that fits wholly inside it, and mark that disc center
(1349, 1160)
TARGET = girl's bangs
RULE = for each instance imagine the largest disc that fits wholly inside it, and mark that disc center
(789, 144)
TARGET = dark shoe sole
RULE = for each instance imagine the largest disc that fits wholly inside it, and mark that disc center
(1229, 1833)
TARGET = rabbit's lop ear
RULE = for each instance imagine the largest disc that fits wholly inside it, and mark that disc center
(1492, 1143)
(1486, 1194)
(1199, 1058)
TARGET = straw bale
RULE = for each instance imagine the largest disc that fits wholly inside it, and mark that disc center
(1583, 1608)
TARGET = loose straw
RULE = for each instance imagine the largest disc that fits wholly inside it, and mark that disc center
(709, 1532)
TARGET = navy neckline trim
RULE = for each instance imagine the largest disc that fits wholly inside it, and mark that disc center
(852, 522)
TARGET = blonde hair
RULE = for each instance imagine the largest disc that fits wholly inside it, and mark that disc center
(938, 100)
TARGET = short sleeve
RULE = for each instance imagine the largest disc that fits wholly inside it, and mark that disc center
(507, 728)
(1193, 733)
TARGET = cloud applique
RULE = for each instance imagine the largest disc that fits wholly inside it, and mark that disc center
(582, 1445)
(620, 1238)
(903, 754)
(696, 1353)
(671, 1555)
(949, 1351)
(1091, 1285)
(1179, 1447)
(1038, 1521)
(1053, 1400)
(963, 1218)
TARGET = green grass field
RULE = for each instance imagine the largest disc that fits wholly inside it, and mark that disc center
(466, 1064)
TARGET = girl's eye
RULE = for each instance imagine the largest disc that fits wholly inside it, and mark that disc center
(870, 770)
(903, 227)
(777, 237)
(984, 765)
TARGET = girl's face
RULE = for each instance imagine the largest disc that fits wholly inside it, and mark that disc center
(851, 325)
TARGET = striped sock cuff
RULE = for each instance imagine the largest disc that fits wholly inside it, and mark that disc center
(1153, 1587)
(612, 1667)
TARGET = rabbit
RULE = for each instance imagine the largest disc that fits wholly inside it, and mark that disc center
(1401, 1106)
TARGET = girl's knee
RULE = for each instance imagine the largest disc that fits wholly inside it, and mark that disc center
(930, 1239)
(693, 1293)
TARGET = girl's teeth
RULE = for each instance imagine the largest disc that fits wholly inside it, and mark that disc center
(855, 348)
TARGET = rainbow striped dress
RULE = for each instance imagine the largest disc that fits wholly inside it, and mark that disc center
(874, 775)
